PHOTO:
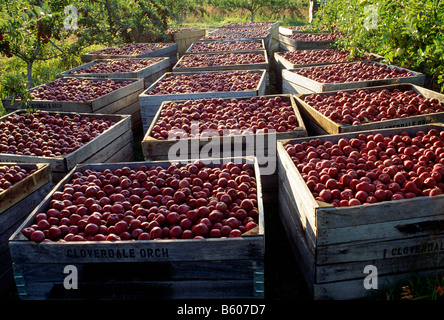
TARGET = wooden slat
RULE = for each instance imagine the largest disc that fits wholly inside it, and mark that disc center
(154, 290)
(354, 289)
(388, 266)
(304, 259)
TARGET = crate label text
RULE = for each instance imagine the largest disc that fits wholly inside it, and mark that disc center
(427, 248)
(132, 253)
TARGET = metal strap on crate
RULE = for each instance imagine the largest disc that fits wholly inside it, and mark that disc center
(259, 283)
(20, 284)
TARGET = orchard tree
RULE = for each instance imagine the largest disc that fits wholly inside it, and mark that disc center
(255, 6)
(113, 22)
(252, 6)
(33, 31)
(406, 33)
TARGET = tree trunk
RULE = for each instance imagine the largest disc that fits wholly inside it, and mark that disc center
(29, 74)
(252, 17)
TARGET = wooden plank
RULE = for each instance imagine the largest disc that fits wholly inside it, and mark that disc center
(332, 127)
(306, 233)
(240, 269)
(387, 230)
(363, 251)
(134, 111)
(389, 266)
(354, 289)
(301, 252)
(184, 289)
(292, 77)
(118, 145)
(289, 87)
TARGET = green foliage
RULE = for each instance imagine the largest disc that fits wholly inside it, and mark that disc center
(255, 6)
(44, 30)
(14, 85)
(112, 22)
(407, 33)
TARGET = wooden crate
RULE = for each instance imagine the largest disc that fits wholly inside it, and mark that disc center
(16, 203)
(225, 67)
(114, 144)
(215, 35)
(288, 44)
(149, 104)
(273, 27)
(333, 245)
(320, 124)
(260, 145)
(159, 269)
(148, 74)
(254, 66)
(170, 51)
(282, 63)
(185, 37)
(122, 101)
(296, 84)
(192, 46)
